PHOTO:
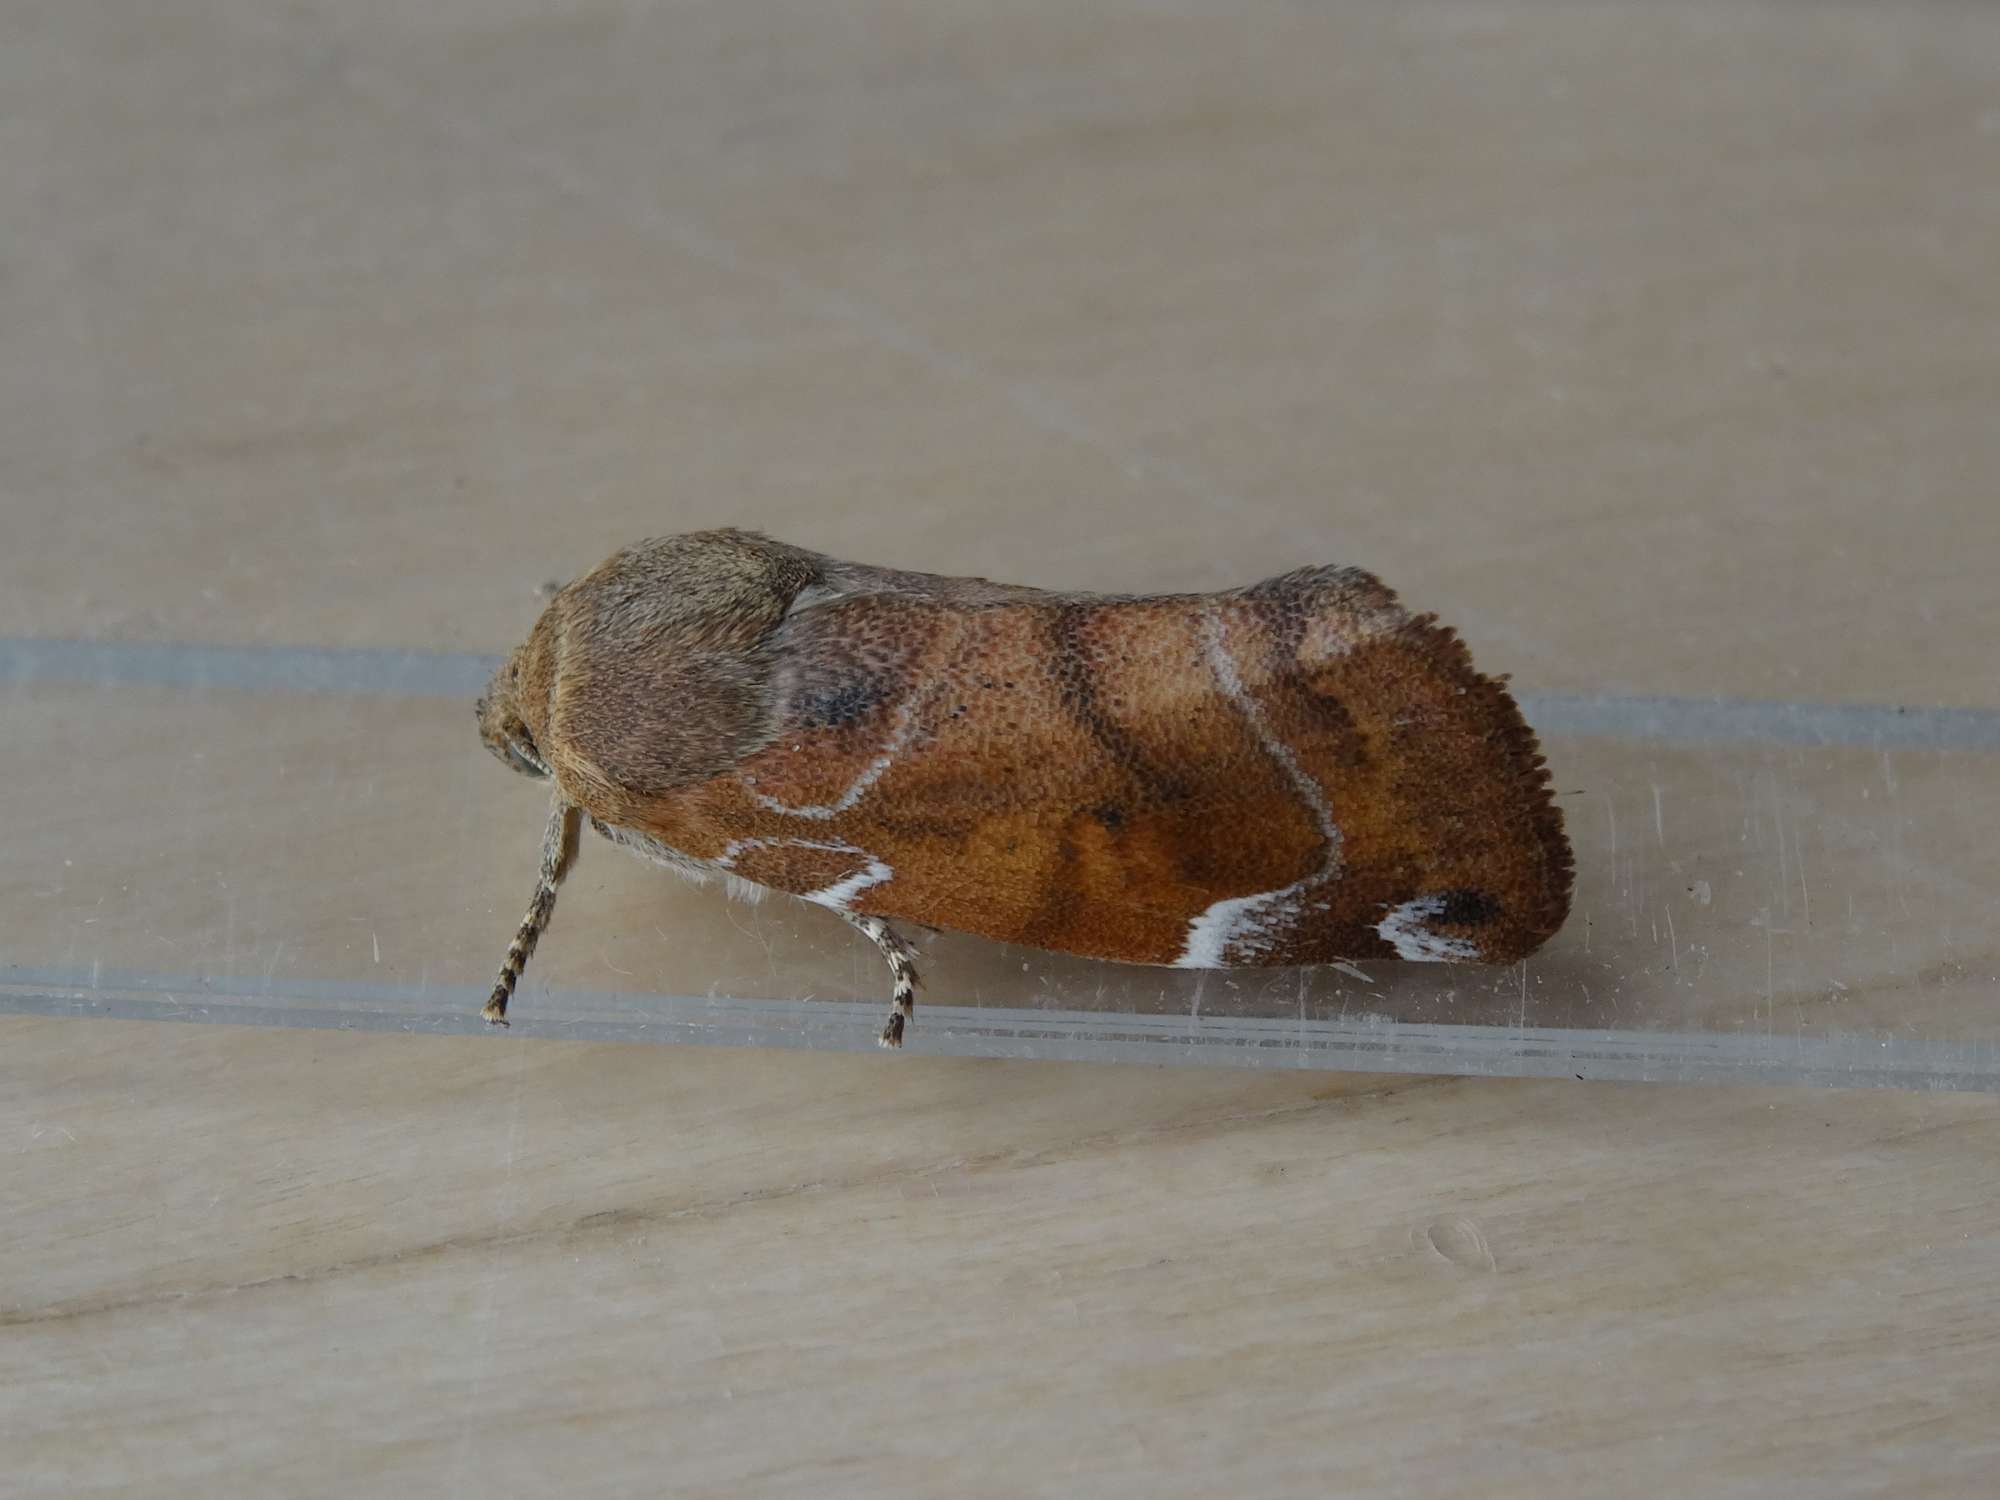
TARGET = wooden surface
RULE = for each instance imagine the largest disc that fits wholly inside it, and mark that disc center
(262, 1262)
(1654, 344)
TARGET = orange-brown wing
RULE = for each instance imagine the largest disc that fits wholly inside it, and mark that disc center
(1292, 773)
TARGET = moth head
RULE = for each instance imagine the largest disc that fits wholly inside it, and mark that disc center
(501, 725)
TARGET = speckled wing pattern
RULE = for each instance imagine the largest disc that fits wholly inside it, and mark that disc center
(1296, 772)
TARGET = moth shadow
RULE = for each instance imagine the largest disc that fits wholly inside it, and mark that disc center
(1559, 987)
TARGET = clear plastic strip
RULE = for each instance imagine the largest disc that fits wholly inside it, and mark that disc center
(1850, 1059)
(1363, 1045)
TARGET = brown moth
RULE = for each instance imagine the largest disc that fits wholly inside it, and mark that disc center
(1296, 772)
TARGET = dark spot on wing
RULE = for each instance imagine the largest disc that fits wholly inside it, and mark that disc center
(1464, 908)
(837, 702)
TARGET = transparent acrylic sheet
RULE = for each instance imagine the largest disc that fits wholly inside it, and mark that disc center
(312, 837)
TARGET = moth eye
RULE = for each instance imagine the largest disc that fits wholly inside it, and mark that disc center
(514, 672)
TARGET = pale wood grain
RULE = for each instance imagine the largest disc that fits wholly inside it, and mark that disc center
(243, 1261)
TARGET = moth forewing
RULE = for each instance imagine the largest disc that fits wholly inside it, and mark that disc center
(1297, 772)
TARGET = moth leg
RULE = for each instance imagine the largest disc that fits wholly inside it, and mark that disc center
(558, 854)
(902, 970)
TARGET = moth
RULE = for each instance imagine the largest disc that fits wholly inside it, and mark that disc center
(1296, 772)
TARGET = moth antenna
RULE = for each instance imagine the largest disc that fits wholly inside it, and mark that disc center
(558, 854)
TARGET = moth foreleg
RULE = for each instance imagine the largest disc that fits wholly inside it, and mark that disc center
(558, 854)
(902, 972)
